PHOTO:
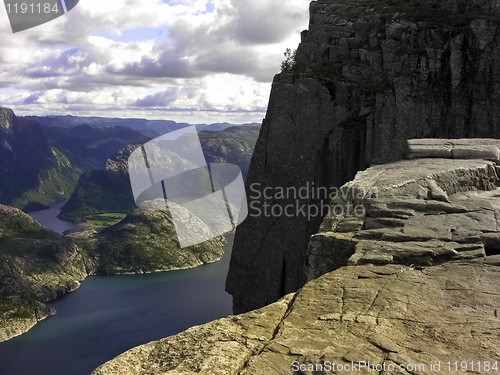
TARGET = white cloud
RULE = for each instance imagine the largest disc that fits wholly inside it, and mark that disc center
(153, 60)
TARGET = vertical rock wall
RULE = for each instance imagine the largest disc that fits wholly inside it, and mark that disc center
(368, 76)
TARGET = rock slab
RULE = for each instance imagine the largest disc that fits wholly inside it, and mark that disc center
(377, 314)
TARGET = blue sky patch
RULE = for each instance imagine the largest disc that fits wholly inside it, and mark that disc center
(140, 34)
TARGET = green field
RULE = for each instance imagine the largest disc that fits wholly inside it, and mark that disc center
(105, 220)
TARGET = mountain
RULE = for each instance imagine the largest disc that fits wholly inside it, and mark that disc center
(104, 190)
(367, 76)
(31, 170)
(146, 241)
(109, 190)
(150, 128)
(41, 165)
(89, 146)
(36, 265)
(233, 145)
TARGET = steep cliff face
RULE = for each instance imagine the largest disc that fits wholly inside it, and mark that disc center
(30, 169)
(419, 212)
(367, 76)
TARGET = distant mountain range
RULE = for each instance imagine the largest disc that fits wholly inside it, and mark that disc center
(150, 128)
(89, 146)
(108, 189)
(42, 157)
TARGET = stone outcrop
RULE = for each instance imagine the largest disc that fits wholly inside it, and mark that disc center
(36, 266)
(414, 212)
(368, 75)
(384, 315)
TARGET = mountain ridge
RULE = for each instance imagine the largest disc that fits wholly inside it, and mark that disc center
(32, 170)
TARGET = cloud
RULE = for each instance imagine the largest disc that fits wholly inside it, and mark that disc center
(160, 99)
(266, 22)
(165, 55)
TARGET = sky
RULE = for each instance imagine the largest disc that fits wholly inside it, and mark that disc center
(198, 61)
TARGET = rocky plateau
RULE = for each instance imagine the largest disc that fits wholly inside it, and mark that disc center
(411, 283)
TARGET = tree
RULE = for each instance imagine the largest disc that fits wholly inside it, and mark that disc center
(289, 62)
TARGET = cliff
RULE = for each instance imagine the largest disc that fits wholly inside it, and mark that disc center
(417, 287)
(383, 316)
(36, 266)
(418, 212)
(31, 169)
(367, 76)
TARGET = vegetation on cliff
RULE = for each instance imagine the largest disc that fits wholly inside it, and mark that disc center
(146, 241)
(432, 13)
(36, 265)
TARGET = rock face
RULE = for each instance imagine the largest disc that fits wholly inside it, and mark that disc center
(416, 212)
(383, 315)
(30, 169)
(36, 266)
(368, 75)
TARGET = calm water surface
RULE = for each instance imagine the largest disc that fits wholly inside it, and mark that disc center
(108, 315)
(48, 218)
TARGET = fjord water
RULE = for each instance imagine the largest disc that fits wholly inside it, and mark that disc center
(48, 218)
(109, 315)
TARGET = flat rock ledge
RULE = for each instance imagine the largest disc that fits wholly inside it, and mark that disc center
(417, 212)
(408, 281)
(377, 314)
